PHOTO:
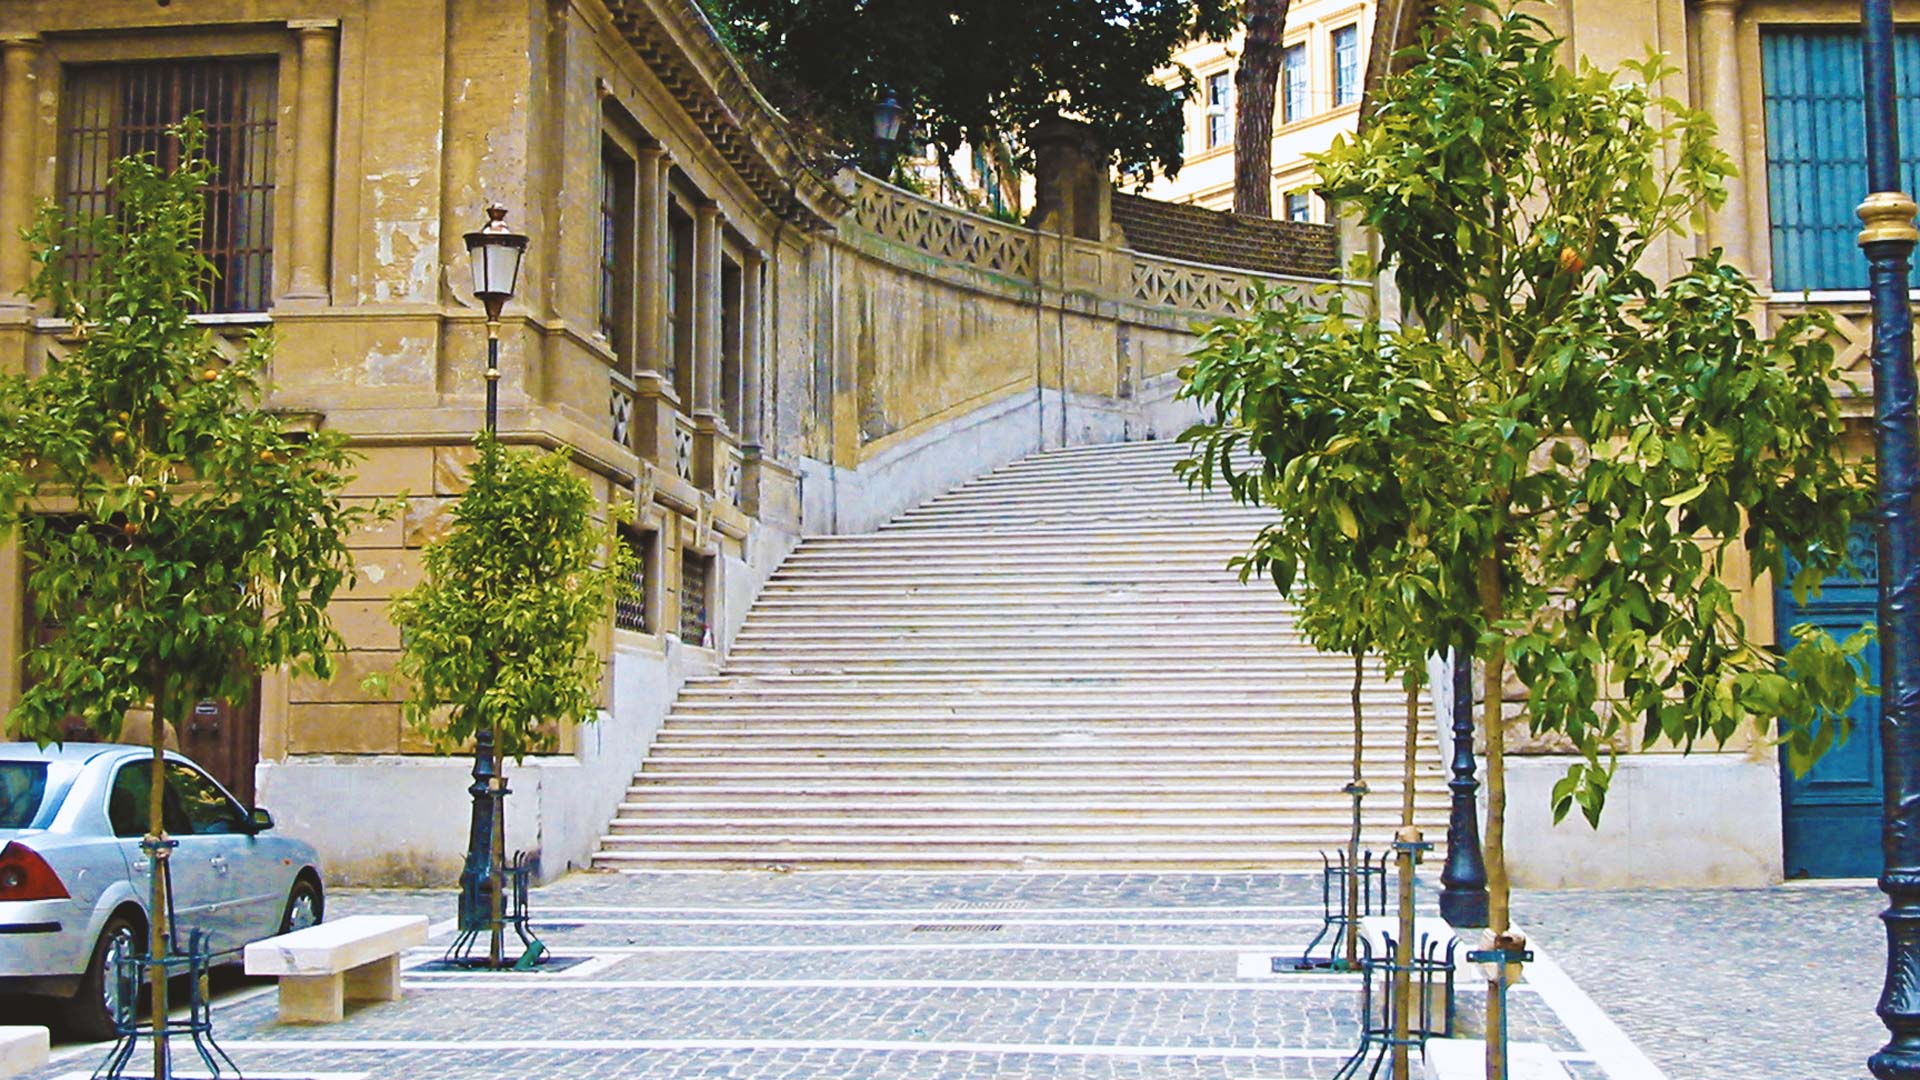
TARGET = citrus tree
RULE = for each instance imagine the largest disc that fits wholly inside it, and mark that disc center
(182, 536)
(497, 640)
(1570, 450)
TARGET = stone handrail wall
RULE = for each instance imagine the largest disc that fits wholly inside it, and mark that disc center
(971, 240)
(1161, 282)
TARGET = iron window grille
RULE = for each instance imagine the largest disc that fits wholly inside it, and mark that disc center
(695, 572)
(630, 608)
(112, 111)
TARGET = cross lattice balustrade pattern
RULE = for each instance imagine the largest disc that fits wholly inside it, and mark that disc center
(981, 243)
(1209, 290)
(942, 231)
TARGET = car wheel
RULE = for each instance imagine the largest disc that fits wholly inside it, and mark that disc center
(305, 906)
(90, 1013)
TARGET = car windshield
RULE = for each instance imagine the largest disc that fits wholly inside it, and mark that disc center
(23, 788)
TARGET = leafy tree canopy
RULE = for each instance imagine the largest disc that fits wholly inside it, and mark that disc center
(969, 69)
(1560, 452)
(500, 633)
(181, 536)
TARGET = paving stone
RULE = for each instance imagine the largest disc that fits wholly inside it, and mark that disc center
(1773, 984)
(758, 976)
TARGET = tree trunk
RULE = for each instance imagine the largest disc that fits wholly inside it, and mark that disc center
(1403, 947)
(1255, 82)
(1494, 725)
(158, 917)
(1356, 789)
(497, 810)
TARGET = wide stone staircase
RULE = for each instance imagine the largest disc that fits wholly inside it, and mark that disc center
(1049, 667)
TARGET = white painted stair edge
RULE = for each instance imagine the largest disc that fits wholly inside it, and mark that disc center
(1466, 1059)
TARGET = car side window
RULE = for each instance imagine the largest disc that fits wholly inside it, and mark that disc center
(209, 811)
(127, 803)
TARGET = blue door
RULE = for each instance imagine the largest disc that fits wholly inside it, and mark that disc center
(1831, 816)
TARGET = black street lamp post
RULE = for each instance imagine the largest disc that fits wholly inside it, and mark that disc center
(1463, 881)
(495, 252)
(1888, 239)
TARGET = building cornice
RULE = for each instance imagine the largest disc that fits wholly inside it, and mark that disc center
(677, 43)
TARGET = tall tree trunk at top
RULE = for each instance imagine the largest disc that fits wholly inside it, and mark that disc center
(1255, 82)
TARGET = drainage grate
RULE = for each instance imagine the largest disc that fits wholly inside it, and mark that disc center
(955, 926)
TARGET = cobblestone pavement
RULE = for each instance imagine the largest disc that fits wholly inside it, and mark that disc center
(1774, 983)
(757, 976)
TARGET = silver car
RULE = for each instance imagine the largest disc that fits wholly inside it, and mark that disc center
(74, 883)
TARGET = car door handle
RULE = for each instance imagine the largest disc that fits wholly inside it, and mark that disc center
(219, 863)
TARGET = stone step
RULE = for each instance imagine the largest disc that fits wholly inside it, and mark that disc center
(1248, 738)
(1279, 825)
(677, 751)
(947, 727)
(1199, 568)
(738, 763)
(1196, 534)
(751, 858)
(981, 843)
(1135, 629)
(1043, 807)
(1010, 777)
(979, 795)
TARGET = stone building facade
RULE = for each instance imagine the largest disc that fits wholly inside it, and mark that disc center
(744, 344)
(1322, 77)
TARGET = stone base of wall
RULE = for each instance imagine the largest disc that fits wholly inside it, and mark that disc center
(1708, 819)
(402, 820)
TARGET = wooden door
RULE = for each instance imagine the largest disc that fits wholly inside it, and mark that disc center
(225, 740)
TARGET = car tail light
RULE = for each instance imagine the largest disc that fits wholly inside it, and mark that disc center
(24, 875)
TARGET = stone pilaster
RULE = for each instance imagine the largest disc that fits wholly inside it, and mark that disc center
(1720, 90)
(313, 162)
(18, 55)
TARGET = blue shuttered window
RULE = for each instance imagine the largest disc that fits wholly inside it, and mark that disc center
(1816, 150)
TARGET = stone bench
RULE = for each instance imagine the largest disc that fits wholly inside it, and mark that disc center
(322, 967)
(23, 1049)
(1466, 1059)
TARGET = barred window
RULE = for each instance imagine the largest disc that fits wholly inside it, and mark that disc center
(616, 249)
(1816, 153)
(115, 110)
(630, 610)
(695, 572)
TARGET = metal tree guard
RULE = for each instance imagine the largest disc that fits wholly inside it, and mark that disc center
(1888, 240)
(1463, 880)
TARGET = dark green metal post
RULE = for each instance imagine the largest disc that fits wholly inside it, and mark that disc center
(1463, 880)
(1888, 240)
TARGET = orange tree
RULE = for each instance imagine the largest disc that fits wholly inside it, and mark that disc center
(1574, 446)
(180, 534)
